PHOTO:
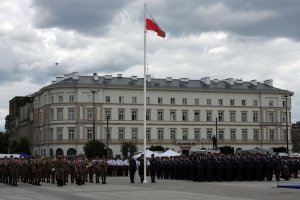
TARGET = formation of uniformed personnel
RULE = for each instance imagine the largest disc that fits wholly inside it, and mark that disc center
(198, 167)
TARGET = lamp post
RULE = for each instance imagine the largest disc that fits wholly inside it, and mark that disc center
(216, 133)
(286, 120)
(202, 142)
(94, 91)
(107, 118)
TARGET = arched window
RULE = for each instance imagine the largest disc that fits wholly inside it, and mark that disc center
(59, 152)
(51, 152)
(71, 152)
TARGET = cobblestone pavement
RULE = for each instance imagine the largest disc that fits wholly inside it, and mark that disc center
(119, 188)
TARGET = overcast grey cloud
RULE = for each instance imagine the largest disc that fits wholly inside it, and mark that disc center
(220, 39)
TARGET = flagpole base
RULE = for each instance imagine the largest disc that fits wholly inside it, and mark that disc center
(145, 181)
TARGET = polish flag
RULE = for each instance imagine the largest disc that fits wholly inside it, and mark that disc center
(151, 25)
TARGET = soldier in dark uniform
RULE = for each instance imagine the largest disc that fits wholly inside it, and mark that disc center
(152, 168)
(132, 169)
(141, 167)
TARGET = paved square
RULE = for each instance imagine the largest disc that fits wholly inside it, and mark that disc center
(120, 188)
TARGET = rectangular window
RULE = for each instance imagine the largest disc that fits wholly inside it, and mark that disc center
(51, 134)
(107, 114)
(108, 133)
(71, 114)
(107, 99)
(221, 116)
(121, 99)
(208, 102)
(232, 116)
(121, 134)
(173, 134)
(148, 115)
(232, 102)
(52, 114)
(89, 113)
(134, 134)
(59, 114)
(60, 99)
(172, 101)
(184, 115)
(284, 134)
(184, 134)
(244, 116)
(232, 135)
(255, 116)
(243, 102)
(52, 99)
(208, 134)
(89, 133)
(196, 101)
(134, 115)
(160, 115)
(221, 134)
(172, 115)
(121, 115)
(244, 135)
(255, 103)
(284, 103)
(71, 98)
(272, 135)
(184, 101)
(59, 133)
(196, 116)
(271, 117)
(71, 133)
(160, 134)
(209, 116)
(148, 134)
(284, 117)
(197, 134)
(134, 100)
(147, 100)
(271, 103)
(255, 135)
(220, 101)
(160, 100)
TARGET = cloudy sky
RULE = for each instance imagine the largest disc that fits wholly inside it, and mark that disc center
(220, 39)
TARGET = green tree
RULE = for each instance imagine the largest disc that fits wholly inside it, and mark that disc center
(20, 146)
(157, 148)
(4, 142)
(125, 146)
(226, 150)
(279, 149)
(94, 148)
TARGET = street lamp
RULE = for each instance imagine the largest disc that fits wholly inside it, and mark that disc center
(202, 142)
(107, 118)
(93, 91)
(216, 146)
(286, 123)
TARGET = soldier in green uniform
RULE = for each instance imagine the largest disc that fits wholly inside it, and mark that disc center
(103, 169)
(59, 170)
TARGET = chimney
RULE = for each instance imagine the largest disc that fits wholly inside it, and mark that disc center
(119, 75)
(95, 77)
(108, 77)
(230, 81)
(169, 79)
(206, 80)
(238, 81)
(134, 78)
(269, 82)
(216, 81)
(253, 82)
(185, 80)
(74, 75)
(148, 78)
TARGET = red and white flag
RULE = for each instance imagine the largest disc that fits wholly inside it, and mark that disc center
(152, 25)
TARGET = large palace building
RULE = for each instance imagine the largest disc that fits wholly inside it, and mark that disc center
(181, 114)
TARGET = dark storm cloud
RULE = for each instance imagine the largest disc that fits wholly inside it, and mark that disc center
(86, 16)
(267, 18)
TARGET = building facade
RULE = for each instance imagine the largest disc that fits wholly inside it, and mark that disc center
(296, 137)
(181, 114)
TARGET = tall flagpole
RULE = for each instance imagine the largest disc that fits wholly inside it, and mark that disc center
(145, 95)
